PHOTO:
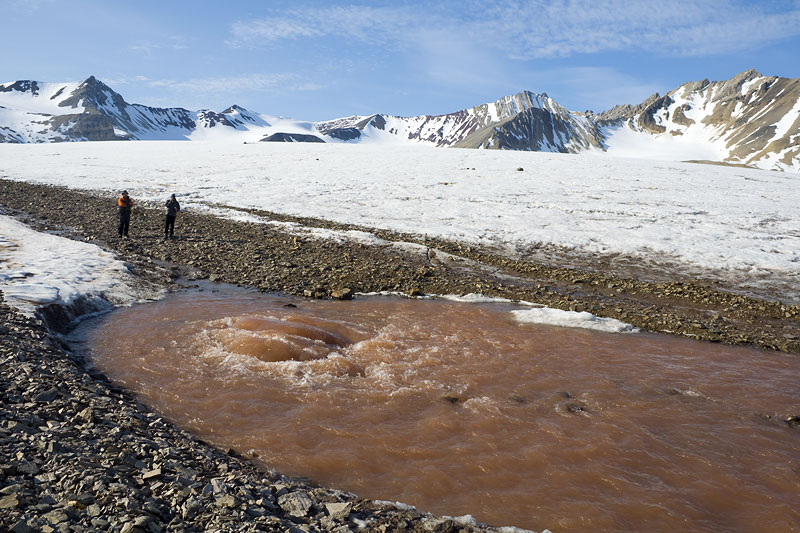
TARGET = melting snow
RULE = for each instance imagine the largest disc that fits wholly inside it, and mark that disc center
(38, 269)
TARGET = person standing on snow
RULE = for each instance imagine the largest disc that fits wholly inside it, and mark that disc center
(124, 203)
(173, 207)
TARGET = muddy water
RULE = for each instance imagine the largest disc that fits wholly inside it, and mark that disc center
(458, 409)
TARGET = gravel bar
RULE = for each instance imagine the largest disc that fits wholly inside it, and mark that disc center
(77, 453)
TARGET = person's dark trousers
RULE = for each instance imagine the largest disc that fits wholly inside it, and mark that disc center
(124, 222)
(169, 226)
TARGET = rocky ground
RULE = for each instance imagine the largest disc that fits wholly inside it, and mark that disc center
(272, 259)
(79, 454)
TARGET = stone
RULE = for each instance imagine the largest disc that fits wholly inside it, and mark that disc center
(227, 500)
(516, 397)
(295, 503)
(190, 508)
(342, 294)
(46, 396)
(152, 474)
(27, 467)
(575, 408)
(218, 486)
(11, 489)
(9, 502)
(19, 427)
(23, 526)
(56, 517)
(141, 521)
(339, 511)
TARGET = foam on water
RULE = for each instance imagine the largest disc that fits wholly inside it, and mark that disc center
(572, 319)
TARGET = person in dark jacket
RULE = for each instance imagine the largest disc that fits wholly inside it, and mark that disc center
(124, 203)
(173, 207)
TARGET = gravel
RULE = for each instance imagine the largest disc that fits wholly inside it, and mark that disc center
(78, 453)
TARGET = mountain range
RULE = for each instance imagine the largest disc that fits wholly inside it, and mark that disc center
(750, 119)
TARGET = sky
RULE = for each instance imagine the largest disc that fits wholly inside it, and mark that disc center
(318, 60)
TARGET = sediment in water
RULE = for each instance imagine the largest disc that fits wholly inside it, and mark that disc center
(77, 450)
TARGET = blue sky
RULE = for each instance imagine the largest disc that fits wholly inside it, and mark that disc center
(316, 60)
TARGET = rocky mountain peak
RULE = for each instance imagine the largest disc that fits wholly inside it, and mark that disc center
(93, 94)
(22, 86)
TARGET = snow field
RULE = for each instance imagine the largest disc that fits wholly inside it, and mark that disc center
(706, 216)
(38, 269)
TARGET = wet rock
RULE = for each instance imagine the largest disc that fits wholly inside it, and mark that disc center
(342, 294)
(516, 397)
(575, 408)
(793, 421)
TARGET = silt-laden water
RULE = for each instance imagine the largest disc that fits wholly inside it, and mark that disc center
(458, 409)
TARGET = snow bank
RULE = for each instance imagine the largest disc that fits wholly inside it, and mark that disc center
(38, 269)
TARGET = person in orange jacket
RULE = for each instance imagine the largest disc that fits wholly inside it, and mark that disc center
(125, 203)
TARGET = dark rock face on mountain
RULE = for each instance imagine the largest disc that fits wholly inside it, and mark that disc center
(292, 138)
(22, 86)
(536, 129)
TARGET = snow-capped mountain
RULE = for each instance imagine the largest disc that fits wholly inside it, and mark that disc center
(750, 119)
(32, 111)
(523, 121)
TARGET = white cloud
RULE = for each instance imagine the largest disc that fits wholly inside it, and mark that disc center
(543, 29)
(252, 82)
(379, 25)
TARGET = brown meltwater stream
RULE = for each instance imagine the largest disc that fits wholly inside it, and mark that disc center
(457, 408)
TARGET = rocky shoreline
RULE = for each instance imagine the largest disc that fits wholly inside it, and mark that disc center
(288, 258)
(79, 454)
